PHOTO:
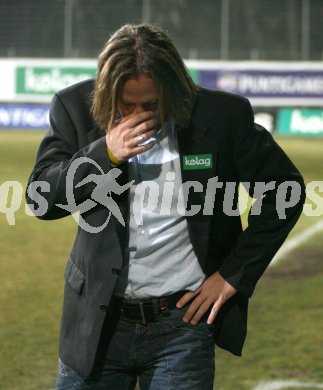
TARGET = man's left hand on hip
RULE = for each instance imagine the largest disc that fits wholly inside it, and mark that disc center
(213, 291)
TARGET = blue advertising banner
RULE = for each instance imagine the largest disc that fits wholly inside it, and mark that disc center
(257, 83)
(24, 116)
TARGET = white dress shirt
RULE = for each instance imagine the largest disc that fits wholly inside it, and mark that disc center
(160, 259)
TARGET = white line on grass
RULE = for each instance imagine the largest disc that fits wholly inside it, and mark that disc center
(278, 385)
(296, 241)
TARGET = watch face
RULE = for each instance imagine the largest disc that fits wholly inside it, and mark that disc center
(151, 139)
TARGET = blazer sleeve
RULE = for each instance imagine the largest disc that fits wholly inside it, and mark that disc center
(57, 151)
(258, 158)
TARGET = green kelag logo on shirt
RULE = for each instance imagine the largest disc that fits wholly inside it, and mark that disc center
(197, 161)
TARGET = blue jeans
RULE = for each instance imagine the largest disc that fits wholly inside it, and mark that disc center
(165, 355)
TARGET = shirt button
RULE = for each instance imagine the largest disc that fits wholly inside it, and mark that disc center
(115, 271)
(143, 232)
(104, 307)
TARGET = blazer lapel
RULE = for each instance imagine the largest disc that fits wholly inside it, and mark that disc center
(95, 133)
(196, 141)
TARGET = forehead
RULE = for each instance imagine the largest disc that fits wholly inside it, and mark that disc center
(142, 87)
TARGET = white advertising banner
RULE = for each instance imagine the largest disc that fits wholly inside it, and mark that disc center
(264, 83)
(35, 81)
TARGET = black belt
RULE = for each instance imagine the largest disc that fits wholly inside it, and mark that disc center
(147, 310)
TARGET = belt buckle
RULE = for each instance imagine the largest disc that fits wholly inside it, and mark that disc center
(142, 312)
(163, 305)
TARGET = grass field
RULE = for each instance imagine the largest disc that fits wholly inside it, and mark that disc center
(285, 339)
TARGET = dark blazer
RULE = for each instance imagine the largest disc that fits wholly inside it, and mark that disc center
(221, 125)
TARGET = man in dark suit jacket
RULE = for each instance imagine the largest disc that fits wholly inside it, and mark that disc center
(191, 290)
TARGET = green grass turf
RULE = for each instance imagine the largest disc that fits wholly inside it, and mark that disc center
(286, 314)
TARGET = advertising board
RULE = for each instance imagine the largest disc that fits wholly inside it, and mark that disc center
(300, 122)
(264, 83)
(41, 80)
(24, 116)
